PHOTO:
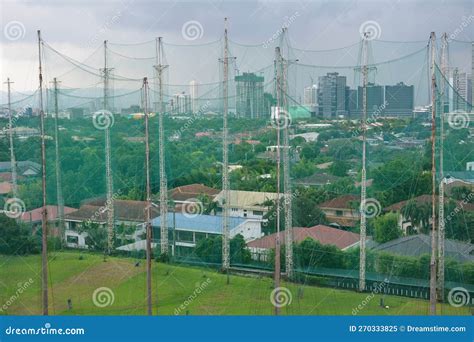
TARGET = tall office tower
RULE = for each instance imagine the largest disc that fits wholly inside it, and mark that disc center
(399, 100)
(193, 91)
(332, 95)
(249, 101)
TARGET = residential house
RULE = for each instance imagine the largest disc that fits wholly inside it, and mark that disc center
(33, 218)
(317, 179)
(128, 215)
(186, 230)
(342, 239)
(419, 244)
(342, 211)
(247, 204)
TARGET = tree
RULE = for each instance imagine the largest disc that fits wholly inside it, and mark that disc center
(339, 168)
(210, 250)
(96, 236)
(386, 228)
(419, 215)
(16, 239)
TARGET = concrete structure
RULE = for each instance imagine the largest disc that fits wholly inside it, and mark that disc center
(399, 100)
(185, 230)
(247, 204)
(249, 95)
(194, 93)
(332, 95)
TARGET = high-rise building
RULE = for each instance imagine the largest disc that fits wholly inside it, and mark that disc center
(399, 100)
(310, 97)
(193, 91)
(460, 83)
(249, 96)
(181, 103)
(375, 99)
(332, 95)
(351, 102)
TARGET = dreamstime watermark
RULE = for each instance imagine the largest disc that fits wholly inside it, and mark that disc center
(459, 207)
(102, 297)
(13, 298)
(378, 288)
(191, 120)
(374, 116)
(466, 21)
(458, 120)
(459, 296)
(192, 30)
(111, 20)
(370, 208)
(14, 207)
(15, 119)
(370, 30)
(287, 21)
(14, 30)
(280, 297)
(197, 291)
(108, 206)
(103, 119)
(281, 119)
(192, 208)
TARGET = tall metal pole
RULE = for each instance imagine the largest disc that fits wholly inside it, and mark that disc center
(441, 223)
(148, 201)
(363, 192)
(277, 275)
(12, 149)
(59, 191)
(433, 262)
(108, 163)
(44, 213)
(159, 67)
(225, 161)
(286, 163)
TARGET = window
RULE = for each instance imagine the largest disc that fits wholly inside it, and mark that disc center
(339, 212)
(72, 239)
(258, 212)
(184, 236)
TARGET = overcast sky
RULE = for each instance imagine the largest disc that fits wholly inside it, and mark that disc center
(78, 27)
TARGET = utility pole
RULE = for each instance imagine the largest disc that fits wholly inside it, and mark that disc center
(108, 166)
(278, 81)
(225, 161)
(363, 192)
(12, 150)
(159, 67)
(433, 262)
(148, 201)
(44, 213)
(59, 190)
(283, 107)
(441, 224)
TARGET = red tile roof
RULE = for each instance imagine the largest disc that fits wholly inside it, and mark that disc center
(185, 192)
(324, 234)
(342, 202)
(426, 199)
(35, 214)
(5, 188)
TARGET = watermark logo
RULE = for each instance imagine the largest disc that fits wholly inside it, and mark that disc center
(370, 30)
(102, 297)
(14, 30)
(192, 30)
(281, 119)
(280, 297)
(458, 120)
(458, 296)
(103, 119)
(287, 21)
(14, 207)
(21, 287)
(197, 291)
(466, 21)
(370, 208)
(192, 208)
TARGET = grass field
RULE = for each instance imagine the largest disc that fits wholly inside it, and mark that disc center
(177, 290)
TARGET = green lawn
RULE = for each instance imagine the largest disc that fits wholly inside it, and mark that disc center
(176, 289)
